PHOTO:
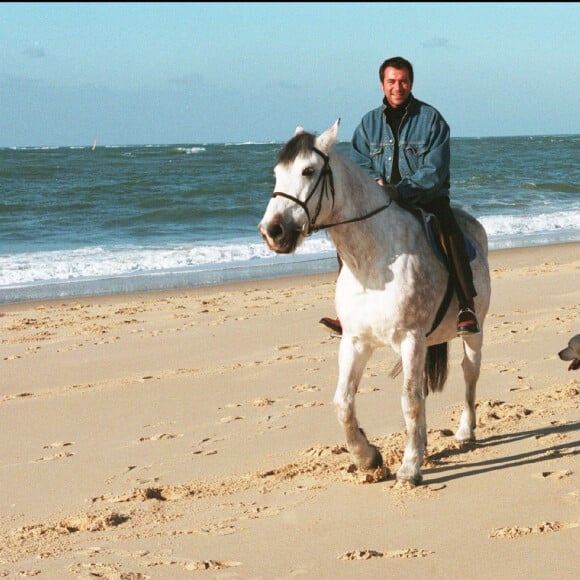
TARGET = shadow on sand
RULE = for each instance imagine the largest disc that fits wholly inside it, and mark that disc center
(449, 471)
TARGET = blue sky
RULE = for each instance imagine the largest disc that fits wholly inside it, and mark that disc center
(152, 73)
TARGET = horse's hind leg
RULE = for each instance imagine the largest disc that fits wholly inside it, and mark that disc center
(352, 360)
(471, 365)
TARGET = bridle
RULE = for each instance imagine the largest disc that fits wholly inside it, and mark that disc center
(326, 182)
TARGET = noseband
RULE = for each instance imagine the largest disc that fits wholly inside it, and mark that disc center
(326, 182)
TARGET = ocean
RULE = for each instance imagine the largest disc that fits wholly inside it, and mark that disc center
(78, 221)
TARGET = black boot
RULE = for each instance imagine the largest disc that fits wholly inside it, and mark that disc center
(467, 320)
(333, 324)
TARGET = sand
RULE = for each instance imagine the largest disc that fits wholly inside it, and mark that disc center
(191, 434)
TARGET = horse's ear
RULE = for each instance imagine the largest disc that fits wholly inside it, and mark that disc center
(299, 130)
(328, 138)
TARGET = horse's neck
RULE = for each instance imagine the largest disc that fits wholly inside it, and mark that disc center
(379, 237)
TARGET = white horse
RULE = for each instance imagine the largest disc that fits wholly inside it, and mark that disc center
(390, 291)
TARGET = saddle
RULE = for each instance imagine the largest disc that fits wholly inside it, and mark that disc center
(434, 236)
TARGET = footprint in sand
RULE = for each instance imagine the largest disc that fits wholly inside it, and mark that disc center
(56, 445)
(150, 493)
(271, 421)
(16, 396)
(365, 554)
(160, 437)
(216, 529)
(491, 410)
(104, 571)
(553, 474)
(367, 390)
(511, 533)
(61, 455)
(211, 565)
(263, 402)
(254, 511)
(231, 418)
(289, 346)
(306, 388)
(204, 443)
(306, 405)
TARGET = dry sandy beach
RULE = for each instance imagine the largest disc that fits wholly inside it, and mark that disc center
(191, 434)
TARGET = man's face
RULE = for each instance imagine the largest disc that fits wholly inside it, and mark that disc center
(396, 86)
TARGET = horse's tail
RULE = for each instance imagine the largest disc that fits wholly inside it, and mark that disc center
(436, 368)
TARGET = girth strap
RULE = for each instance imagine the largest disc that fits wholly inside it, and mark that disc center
(443, 306)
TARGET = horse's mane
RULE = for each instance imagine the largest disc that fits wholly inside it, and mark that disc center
(301, 143)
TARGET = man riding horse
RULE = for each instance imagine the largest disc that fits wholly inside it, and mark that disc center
(404, 146)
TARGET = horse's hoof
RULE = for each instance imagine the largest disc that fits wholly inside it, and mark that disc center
(411, 479)
(406, 484)
(370, 464)
(376, 460)
(465, 436)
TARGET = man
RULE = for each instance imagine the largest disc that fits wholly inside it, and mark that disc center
(404, 146)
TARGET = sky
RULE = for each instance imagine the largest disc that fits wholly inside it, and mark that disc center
(195, 72)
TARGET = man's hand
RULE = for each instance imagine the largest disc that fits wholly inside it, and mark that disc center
(392, 192)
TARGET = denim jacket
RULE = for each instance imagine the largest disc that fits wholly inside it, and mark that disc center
(424, 152)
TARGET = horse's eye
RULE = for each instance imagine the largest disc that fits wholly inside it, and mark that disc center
(308, 172)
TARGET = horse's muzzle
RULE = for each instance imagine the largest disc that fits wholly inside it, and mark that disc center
(278, 238)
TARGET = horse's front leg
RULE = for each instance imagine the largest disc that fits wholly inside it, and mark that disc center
(413, 353)
(352, 360)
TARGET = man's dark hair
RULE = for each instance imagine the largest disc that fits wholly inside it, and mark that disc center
(397, 62)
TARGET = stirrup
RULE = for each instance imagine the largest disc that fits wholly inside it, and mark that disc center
(333, 324)
(467, 322)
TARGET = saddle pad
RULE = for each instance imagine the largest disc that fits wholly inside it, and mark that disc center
(434, 242)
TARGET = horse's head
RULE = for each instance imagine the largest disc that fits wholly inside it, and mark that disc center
(301, 172)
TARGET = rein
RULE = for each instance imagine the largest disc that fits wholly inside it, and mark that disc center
(326, 181)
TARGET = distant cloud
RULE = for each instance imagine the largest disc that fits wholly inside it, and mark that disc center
(35, 51)
(435, 42)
